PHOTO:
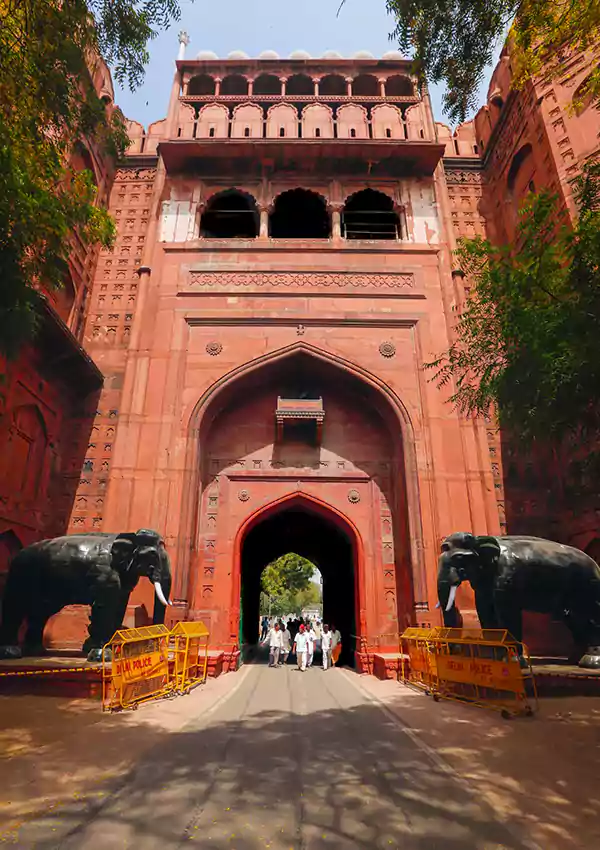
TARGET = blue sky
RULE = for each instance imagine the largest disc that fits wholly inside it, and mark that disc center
(257, 25)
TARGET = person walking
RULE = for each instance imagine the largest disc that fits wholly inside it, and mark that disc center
(312, 639)
(336, 645)
(286, 644)
(264, 629)
(326, 638)
(301, 648)
(275, 644)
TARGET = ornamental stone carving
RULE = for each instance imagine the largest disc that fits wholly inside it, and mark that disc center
(214, 348)
(244, 495)
(387, 349)
(353, 496)
(328, 280)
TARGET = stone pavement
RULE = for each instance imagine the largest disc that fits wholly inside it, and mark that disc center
(288, 761)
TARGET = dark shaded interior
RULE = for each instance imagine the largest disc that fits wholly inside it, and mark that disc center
(370, 215)
(230, 215)
(399, 86)
(333, 86)
(201, 84)
(234, 84)
(298, 529)
(299, 214)
(365, 86)
(300, 84)
(267, 84)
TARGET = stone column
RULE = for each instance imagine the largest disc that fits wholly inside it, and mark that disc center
(316, 85)
(349, 86)
(335, 210)
(264, 222)
(283, 81)
(381, 82)
(250, 87)
(218, 82)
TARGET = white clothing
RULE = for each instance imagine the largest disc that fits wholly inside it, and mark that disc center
(301, 642)
(286, 639)
(326, 641)
(302, 659)
(311, 639)
(275, 639)
(336, 638)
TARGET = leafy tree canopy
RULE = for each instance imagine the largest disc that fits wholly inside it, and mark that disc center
(290, 572)
(527, 341)
(47, 106)
(453, 41)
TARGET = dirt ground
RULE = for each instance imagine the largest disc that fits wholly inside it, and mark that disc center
(539, 775)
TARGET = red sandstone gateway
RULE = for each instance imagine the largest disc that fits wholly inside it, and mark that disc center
(283, 269)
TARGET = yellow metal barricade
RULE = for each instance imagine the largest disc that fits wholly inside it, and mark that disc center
(480, 666)
(189, 643)
(420, 670)
(139, 669)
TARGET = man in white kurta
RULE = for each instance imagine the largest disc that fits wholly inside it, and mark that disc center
(312, 639)
(275, 643)
(301, 648)
(326, 639)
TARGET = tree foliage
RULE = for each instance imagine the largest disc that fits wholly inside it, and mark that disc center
(453, 41)
(290, 572)
(48, 105)
(527, 341)
(291, 602)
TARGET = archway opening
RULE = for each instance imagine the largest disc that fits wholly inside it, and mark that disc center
(300, 84)
(299, 214)
(333, 86)
(234, 84)
(267, 84)
(321, 537)
(230, 215)
(370, 215)
(201, 84)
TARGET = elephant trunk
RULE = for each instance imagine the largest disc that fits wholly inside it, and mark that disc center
(161, 579)
(448, 583)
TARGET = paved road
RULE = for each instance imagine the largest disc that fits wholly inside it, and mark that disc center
(289, 761)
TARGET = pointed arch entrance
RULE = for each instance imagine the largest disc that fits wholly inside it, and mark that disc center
(353, 455)
(318, 532)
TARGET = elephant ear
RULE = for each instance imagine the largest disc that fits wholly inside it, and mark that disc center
(488, 549)
(122, 550)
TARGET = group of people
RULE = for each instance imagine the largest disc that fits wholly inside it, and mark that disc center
(301, 639)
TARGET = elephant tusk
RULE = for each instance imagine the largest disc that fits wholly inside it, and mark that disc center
(159, 592)
(451, 598)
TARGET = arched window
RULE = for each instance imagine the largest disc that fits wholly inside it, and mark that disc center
(333, 86)
(267, 84)
(370, 215)
(234, 84)
(300, 84)
(299, 214)
(26, 448)
(399, 86)
(365, 86)
(201, 84)
(230, 215)
(520, 171)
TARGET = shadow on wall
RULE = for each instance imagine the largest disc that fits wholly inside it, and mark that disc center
(345, 778)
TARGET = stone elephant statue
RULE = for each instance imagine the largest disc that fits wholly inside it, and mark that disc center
(94, 569)
(510, 575)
